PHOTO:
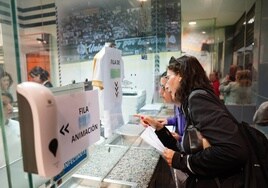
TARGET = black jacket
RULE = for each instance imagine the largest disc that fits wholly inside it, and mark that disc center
(48, 84)
(228, 152)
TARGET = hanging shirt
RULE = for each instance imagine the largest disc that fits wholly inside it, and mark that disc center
(108, 74)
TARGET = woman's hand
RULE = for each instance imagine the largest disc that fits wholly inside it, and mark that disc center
(168, 155)
(175, 135)
(206, 144)
(162, 121)
(149, 121)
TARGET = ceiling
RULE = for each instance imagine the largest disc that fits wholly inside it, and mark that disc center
(225, 12)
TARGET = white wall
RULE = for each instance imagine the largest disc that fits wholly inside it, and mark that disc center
(138, 71)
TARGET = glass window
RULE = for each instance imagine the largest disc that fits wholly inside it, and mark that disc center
(62, 38)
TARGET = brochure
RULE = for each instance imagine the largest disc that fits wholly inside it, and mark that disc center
(151, 138)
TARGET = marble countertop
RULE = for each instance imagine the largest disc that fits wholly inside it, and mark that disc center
(127, 163)
(101, 160)
(137, 165)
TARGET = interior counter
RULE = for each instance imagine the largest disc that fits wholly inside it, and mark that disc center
(123, 160)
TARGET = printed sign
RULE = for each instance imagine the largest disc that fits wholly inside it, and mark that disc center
(78, 122)
(69, 165)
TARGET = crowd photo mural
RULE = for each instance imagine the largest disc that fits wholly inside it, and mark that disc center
(136, 27)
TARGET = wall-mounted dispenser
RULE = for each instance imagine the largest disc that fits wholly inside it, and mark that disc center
(39, 130)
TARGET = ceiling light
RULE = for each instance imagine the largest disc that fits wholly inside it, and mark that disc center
(192, 23)
(251, 20)
(39, 40)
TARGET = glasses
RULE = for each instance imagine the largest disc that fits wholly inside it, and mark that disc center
(32, 75)
(162, 87)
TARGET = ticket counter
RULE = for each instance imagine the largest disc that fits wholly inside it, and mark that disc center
(123, 160)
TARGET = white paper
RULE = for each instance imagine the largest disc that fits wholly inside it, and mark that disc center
(151, 138)
(130, 129)
(155, 106)
(171, 128)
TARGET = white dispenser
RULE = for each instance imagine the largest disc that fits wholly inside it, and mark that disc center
(39, 130)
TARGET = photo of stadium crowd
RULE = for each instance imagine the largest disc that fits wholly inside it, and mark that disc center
(135, 28)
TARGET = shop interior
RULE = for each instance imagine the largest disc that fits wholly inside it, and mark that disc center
(64, 36)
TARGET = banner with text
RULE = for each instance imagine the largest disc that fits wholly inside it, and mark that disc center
(78, 122)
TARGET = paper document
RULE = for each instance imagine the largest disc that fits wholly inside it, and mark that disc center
(155, 106)
(130, 129)
(151, 138)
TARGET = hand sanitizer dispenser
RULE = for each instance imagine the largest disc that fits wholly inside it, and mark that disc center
(39, 130)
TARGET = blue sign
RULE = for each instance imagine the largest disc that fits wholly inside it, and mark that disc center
(69, 165)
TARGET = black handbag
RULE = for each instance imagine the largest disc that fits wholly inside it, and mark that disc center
(195, 139)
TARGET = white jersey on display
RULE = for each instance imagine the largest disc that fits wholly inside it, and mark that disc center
(108, 73)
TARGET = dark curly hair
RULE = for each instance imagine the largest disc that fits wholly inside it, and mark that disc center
(39, 71)
(193, 76)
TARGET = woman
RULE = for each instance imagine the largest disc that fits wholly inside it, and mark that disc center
(164, 94)
(40, 75)
(222, 152)
(214, 79)
(6, 82)
(178, 121)
(239, 91)
(12, 131)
